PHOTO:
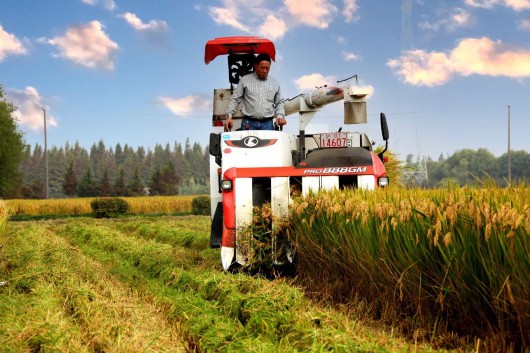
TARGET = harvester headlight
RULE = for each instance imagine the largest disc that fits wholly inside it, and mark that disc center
(226, 185)
(383, 181)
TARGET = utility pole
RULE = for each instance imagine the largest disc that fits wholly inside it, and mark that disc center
(46, 154)
(406, 27)
(509, 153)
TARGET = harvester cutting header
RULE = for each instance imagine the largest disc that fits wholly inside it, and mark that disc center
(250, 168)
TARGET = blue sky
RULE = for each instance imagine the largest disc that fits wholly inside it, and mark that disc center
(133, 71)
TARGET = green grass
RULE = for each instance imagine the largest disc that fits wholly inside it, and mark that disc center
(152, 284)
(58, 299)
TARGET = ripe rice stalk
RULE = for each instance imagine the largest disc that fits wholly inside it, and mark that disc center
(79, 206)
(49, 207)
(3, 216)
(457, 254)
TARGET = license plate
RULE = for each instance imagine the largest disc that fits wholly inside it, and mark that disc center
(335, 139)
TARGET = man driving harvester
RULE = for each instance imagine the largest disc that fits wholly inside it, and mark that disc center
(261, 96)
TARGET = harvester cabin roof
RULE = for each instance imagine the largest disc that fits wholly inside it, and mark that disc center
(238, 45)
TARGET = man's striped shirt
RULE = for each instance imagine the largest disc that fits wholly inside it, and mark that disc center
(260, 98)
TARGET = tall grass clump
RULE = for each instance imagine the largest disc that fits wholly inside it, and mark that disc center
(433, 261)
(109, 207)
(218, 312)
(200, 205)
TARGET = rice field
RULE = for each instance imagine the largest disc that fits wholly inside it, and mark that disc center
(436, 261)
(80, 206)
(450, 267)
(151, 284)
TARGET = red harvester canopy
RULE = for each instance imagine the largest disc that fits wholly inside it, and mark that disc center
(227, 45)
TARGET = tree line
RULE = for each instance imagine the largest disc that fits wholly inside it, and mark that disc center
(11, 145)
(74, 171)
(469, 167)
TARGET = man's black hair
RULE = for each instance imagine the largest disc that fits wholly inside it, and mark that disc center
(262, 57)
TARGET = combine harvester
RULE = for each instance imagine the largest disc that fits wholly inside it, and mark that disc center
(251, 168)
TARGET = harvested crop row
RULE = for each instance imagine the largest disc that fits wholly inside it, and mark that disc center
(219, 312)
(58, 299)
(185, 231)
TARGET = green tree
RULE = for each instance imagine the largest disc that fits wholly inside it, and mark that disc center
(58, 164)
(103, 187)
(164, 181)
(70, 180)
(519, 164)
(156, 186)
(34, 190)
(11, 149)
(119, 188)
(170, 179)
(135, 186)
(118, 154)
(177, 174)
(81, 159)
(86, 186)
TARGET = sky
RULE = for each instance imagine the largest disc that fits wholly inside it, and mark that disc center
(448, 75)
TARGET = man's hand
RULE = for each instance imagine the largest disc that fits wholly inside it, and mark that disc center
(228, 124)
(280, 121)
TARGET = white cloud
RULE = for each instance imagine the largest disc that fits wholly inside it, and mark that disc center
(137, 24)
(253, 17)
(516, 5)
(310, 82)
(485, 4)
(10, 45)
(349, 56)
(29, 105)
(312, 13)
(229, 15)
(87, 45)
(524, 25)
(108, 4)
(484, 56)
(472, 56)
(183, 107)
(350, 10)
(460, 18)
(273, 28)
(420, 68)
(457, 18)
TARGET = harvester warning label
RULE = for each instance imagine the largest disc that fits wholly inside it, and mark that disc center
(336, 170)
